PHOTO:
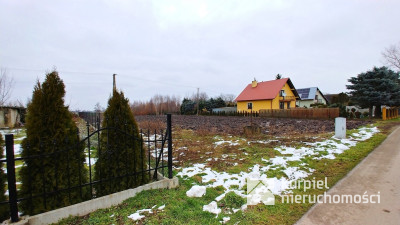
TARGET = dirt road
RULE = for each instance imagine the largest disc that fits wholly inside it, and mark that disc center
(379, 172)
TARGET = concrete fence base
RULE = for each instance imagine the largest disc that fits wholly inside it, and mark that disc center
(87, 207)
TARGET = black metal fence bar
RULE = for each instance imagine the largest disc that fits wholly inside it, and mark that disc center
(144, 142)
(12, 187)
(169, 131)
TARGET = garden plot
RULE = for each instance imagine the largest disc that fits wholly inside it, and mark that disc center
(292, 162)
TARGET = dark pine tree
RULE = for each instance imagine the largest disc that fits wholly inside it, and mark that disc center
(377, 87)
(52, 132)
(4, 212)
(188, 107)
(121, 151)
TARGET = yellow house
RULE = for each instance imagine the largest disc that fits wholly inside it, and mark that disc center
(274, 94)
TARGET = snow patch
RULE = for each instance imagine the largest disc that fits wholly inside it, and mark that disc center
(212, 208)
(235, 182)
(196, 191)
(161, 207)
(225, 220)
(136, 216)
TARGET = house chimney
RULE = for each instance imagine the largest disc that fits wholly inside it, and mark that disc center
(254, 83)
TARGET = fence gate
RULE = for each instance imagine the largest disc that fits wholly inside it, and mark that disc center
(155, 148)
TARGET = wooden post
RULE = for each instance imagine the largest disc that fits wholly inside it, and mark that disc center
(384, 113)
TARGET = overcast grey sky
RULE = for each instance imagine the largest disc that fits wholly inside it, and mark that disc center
(172, 47)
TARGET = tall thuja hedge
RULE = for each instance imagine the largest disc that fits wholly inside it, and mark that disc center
(49, 129)
(4, 212)
(120, 153)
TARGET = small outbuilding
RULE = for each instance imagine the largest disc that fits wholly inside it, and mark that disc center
(11, 117)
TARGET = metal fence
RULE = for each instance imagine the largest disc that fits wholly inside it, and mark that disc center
(157, 146)
(91, 117)
(318, 113)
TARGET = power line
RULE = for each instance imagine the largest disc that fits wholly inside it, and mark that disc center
(166, 83)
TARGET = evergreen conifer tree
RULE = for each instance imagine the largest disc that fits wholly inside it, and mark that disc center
(4, 209)
(121, 151)
(377, 87)
(50, 129)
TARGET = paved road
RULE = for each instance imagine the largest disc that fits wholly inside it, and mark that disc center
(378, 172)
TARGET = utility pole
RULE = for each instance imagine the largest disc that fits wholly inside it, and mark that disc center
(198, 103)
(114, 84)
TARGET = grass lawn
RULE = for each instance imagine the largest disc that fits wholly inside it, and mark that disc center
(234, 155)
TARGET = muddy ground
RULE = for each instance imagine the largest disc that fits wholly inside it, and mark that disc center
(235, 125)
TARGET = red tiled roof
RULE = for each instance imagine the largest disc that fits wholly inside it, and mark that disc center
(264, 90)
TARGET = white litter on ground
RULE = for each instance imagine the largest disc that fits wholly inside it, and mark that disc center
(327, 149)
(196, 191)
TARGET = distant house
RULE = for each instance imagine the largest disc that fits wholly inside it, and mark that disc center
(274, 94)
(11, 117)
(310, 96)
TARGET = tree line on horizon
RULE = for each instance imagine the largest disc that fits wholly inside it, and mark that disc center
(163, 104)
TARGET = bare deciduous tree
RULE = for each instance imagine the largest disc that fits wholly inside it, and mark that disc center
(98, 108)
(392, 56)
(157, 105)
(229, 99)
(6, 87)
(17, 103)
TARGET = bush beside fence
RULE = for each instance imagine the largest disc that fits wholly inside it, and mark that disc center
(300, 113)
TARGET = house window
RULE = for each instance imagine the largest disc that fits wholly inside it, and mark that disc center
(281, 105)
(288, 105)
(282, 93)
(250, 105)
